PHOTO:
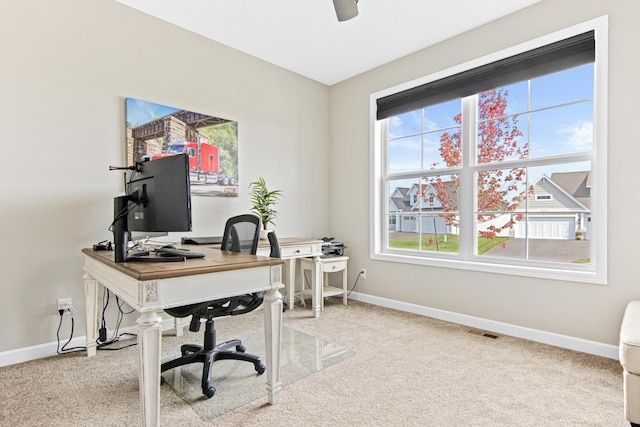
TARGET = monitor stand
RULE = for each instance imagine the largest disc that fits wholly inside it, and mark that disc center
(121, 235)
(120, 228)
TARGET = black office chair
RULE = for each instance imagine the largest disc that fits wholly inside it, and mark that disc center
(273, 243)
(241, 234)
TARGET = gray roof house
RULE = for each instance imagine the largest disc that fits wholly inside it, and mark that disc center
(558, 208)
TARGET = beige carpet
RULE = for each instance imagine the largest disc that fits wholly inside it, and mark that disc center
(407, 370)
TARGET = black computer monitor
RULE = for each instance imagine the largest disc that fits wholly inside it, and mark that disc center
(157, 199)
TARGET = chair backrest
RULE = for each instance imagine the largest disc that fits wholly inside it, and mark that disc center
(242, 233)
(275, 246)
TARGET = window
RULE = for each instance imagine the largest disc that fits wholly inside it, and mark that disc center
(499, 165)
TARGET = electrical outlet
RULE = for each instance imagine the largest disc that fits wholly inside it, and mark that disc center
(65, 304)
(363, 273)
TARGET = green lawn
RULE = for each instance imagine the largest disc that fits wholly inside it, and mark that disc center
(444, 243)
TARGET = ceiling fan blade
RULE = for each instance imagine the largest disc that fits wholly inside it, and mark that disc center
(346, 9)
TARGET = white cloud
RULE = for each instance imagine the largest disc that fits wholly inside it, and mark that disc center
(579, 136)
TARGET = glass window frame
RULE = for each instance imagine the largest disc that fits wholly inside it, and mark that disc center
(595, 272)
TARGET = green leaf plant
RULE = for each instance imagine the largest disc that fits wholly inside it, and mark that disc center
(263, 200)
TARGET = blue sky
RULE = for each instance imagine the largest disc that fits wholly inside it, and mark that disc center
(140, 112)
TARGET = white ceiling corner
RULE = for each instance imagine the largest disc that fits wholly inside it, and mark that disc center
(304, 36)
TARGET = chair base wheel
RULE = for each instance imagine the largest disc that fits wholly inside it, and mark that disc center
(260, 369)
(210, 392)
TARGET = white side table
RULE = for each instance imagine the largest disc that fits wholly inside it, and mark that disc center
(329, 265)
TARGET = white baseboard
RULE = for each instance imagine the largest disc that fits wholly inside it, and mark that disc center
(20, 355)
(557, 340)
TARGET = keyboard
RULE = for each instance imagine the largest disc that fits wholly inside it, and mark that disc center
(213, 240)
(174, 252)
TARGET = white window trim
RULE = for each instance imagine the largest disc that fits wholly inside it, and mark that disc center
(378, 161)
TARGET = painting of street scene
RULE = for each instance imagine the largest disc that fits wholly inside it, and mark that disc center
(155, 131)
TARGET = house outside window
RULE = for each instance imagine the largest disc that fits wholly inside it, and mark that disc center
(501, 178)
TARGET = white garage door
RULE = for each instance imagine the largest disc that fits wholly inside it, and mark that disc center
(548, 228)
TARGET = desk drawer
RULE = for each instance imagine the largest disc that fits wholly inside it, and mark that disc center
(296, 251)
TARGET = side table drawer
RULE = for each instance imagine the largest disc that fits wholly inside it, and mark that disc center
(330, 267)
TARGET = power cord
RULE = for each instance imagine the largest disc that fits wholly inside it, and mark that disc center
(355, 283)
(65, 350)
(103, 341)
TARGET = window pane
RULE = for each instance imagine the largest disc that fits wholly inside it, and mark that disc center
(405, 124)
(442, 138)
(563, 87)
(499, 136)
(501, 190)
(406, 234)
(438, 233)
(402, 195)
(563, 130)
(428, 138)
(442, 149)
(442, 116)
(553, 222)
(423, 213)
(516, 97)
(405, 154)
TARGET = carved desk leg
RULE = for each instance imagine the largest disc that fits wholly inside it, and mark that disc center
(91, 309)
(273, 335)
(149, 350)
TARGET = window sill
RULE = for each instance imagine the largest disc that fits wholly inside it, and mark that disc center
(567, 275)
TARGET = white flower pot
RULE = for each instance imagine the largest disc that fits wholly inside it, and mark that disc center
(263, 234)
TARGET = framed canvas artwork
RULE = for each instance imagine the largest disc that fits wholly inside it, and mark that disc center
(155, 131)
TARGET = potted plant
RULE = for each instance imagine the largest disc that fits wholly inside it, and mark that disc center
(262, 203)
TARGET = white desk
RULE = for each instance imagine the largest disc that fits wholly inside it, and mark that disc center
(152, 287)
(291, 250)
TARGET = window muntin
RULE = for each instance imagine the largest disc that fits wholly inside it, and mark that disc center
(414, 137)
(563, 154)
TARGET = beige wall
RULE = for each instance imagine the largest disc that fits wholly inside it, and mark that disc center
(65, 69)
(586, 311)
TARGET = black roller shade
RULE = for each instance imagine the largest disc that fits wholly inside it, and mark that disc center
(561, 55)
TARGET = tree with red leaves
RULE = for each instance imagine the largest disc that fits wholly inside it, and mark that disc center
(500, 191)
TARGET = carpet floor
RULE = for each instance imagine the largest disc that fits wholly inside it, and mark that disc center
(404, 370)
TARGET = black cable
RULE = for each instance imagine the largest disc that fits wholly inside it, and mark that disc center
(122, 214)
(354, 284)
(65, 350)
(131, 204)
(102, 344)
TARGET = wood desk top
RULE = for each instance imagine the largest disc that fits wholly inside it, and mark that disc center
(215, 260)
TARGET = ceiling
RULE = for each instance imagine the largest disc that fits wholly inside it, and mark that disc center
(304, 36)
